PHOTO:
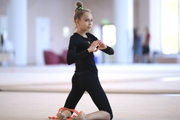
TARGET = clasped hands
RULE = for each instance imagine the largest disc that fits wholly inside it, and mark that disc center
(96, 45)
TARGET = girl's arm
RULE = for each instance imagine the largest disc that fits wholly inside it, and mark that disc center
(105, 48)
(102, 46)
(108, 50)
(72, 56)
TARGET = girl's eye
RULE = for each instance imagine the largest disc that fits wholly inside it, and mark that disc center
(87, 20)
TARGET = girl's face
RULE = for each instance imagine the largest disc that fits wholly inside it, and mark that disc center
(85, 23)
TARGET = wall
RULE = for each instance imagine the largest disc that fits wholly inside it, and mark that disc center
(141, 15)
(3, 19)
(3, 4)
(101, 9)
(61, 13)
(147, 13)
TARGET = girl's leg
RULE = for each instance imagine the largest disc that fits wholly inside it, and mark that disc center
(93, 87)
(105, 112)
(98, 115)
(73, 97)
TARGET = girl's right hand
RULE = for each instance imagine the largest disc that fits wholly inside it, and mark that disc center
(94, 47)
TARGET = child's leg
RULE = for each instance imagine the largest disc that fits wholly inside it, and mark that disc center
(95, 90)
(73, 97)
(99, 115)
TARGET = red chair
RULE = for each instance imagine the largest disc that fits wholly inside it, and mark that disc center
(63, 57)
(51, 58)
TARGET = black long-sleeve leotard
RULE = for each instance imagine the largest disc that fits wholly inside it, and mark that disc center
(85, 77)
(78, 53)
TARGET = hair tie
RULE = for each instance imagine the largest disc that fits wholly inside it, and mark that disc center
(80, 8)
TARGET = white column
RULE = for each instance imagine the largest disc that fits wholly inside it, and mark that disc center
(17, 29)
(155, 25)
(179, 25)
(124, 30)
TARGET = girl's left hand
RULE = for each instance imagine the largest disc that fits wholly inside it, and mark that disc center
(101, 45)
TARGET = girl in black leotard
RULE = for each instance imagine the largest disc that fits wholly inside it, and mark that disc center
(80, 51)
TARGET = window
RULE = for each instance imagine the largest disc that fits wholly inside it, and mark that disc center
(170, 26)
(109, 38)
(109, 34)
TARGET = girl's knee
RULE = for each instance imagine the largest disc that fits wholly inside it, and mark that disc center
(108, 115)
(111, 116)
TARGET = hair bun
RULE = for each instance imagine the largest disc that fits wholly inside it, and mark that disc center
(79, 4)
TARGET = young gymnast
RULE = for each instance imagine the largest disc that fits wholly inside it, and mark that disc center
(82, 44)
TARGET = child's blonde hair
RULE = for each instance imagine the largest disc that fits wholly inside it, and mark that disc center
(79, 11)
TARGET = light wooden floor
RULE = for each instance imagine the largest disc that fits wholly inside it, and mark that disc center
(37, 106)
(135, 92)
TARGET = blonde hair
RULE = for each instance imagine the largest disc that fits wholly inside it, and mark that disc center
(79, 11)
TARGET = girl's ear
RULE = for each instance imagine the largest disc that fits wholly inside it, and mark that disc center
(77, 22)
